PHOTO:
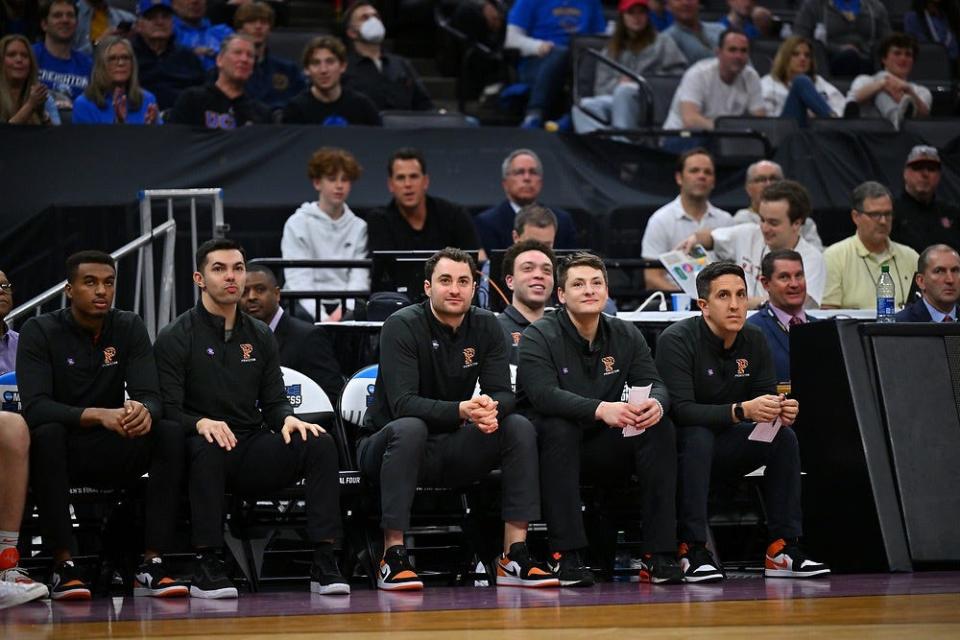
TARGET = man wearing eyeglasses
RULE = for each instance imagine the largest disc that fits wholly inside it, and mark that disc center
(854, 264)
(922, 219)
(8, 337)
(522, 182)
(760, 174)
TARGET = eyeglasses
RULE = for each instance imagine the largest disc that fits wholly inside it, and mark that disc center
(524, 172)
(118, 59)
(6, 286)
(877, 215)
(771, 179)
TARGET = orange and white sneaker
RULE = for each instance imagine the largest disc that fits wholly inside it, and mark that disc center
(153, 579)
(518, 569)
(396, 573)
(66, 583)
(11, 573)
(787, 560)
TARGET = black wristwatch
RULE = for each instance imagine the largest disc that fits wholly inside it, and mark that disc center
(738, 412)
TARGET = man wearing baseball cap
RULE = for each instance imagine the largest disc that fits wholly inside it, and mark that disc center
(923, 219)
(165, 67)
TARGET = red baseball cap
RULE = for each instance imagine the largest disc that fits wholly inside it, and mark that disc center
(625, 5)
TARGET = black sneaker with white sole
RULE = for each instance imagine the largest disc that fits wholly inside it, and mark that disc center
(660, 568)
(698, 564)
(210, 579)
(325, 576)
(153, 579)
(570, 569)
(396, 572)
(66, 583)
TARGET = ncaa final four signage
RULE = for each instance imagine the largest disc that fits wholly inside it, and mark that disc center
(304, 394)
(9, 393)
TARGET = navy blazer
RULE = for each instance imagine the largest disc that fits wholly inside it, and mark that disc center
(777, 338)
(495, 228)
(916, 312)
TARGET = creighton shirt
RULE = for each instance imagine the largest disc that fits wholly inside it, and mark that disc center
(427, 369)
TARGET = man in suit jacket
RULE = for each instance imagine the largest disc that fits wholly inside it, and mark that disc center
(522, 183)
(303, 346)
(781, 274)
(938, 277)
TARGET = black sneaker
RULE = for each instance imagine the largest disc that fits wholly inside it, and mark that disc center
(325, 576)
(153, 579)
(787, 560)
(66, 584)
(518, 569)
(396, 573)
(660, 568)
(569, 568)
(210, 579)
(698, 564)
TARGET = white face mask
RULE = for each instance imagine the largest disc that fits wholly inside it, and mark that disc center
(372, 30)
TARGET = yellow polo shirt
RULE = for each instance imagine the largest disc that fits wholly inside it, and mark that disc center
(852, 273)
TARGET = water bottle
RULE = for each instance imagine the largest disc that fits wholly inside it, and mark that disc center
(885, 293)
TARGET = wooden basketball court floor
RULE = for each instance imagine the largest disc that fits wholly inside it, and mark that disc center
(904, 606)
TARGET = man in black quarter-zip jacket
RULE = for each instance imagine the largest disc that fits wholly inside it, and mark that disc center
(575, 366)
(427, 425)
(220, 379)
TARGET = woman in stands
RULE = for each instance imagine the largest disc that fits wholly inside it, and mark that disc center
(636, 45)
(23, 99)
(793, 88)
(114, 95)
(850, 29)
(935, 21)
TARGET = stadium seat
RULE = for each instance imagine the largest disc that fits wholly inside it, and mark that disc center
(932, 64)
(939, 132)
(289, 44)
(852, 125)
(423, 120)
(663, 88)
(775, 130)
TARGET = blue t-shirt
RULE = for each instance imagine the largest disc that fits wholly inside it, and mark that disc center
(86, 111)
(558, 20)
(68, 77)
(206, 35)
(749, 29)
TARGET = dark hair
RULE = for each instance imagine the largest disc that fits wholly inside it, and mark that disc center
(732, 31)
(348, 12)
(332, 44)
(580, 259)
(253, 11)
(407, 153)
(88, 257)
(329, 161)
(713, 271)
(623, 39)
(869, 190)
(769, 260)
(899, 40)
(510, 257)
(216, 244)
(696, 151)
(451, 253)
(924, 259)
(265, 270)
(535, 215)
(46, 5)
(794, 193)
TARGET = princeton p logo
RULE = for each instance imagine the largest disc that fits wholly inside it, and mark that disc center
(608, 364)
(246, 349)
(516, 337)
(742, 364)
(468, 355)
(108, 356)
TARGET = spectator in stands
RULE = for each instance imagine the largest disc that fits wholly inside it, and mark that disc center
(165, 67)
(20, 17)
(747, 16)
(414, 220)
(274, 80)
(8, 337)
(921, 218)
(938, 278)
(579, 413)
(722, 382)
(96, 20)
(636, 45)
(935, 21)
(697, 40)
(781, 274)
(327, 102)
(528, 268)
(760, 174)
(784, 206)
(535, 222)
(74, 367)
(522, 182)
(541, 30)
(793, 89)
(888, 94)
(223, 104)
(63, 69)
(850, 29)
(195, 31)
(221, 382)
(304, 347)
(853, 265)
(660, 18)
(327, 230)
(114, 95)
(672, 223)
(16, 585)
(23, 98)
(427, 425)
(483, 25)
(386, 78)
(721, 86)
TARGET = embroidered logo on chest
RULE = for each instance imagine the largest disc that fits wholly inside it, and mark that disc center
(468, 355)
(246, 352)
(516, 337)
(742, 364)
(109, 357)
(609, 362)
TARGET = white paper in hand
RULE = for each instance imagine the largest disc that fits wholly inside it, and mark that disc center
(765, 431)
(635, 397)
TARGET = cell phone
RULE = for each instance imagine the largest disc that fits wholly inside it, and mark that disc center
(698, 252)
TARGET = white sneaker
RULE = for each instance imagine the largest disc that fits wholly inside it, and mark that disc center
(17, 587)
